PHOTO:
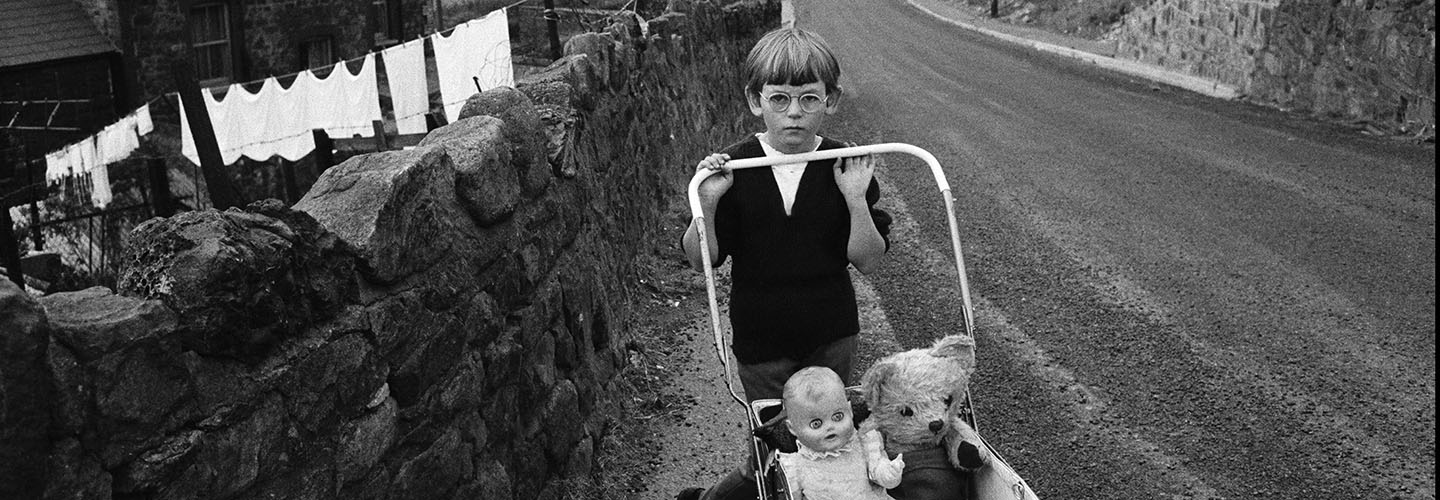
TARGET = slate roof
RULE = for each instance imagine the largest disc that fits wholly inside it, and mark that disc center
(46, 30)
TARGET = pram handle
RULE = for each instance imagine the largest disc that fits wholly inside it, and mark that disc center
(766, 161)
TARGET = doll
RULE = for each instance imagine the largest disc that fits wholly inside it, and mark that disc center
(834, 460)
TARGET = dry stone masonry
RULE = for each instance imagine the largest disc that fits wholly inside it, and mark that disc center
(1357, 60)
(441, 322)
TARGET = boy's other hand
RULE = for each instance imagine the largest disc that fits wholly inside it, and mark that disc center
(853, 174)
(716, 185)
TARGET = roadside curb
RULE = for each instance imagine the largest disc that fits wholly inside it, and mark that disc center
(1192, 83)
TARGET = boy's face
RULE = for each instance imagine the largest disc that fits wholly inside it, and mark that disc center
(793, 129)
(822, 424)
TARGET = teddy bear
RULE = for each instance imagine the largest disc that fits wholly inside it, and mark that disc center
(917, 399)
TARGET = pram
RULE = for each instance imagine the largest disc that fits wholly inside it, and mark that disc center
(996, 481)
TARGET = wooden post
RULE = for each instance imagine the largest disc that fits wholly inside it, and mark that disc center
(223, 194)
(552, 29)
(382, 143)
(324, 150)
(37, 239)
(159, 188)
(9, 249)
(292, 188)
(434, 121)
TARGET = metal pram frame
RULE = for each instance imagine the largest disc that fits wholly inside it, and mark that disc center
(996, 481)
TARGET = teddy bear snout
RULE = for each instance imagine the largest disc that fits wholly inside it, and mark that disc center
(937, 425)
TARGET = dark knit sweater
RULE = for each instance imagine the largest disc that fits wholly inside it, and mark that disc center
(790, 291)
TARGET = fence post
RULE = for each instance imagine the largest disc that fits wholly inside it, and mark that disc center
(324, 150)
(223, 195)
(552, 28)
(434, 121)
(10, 249)
(159, 188)
(292, 189)
(382, 143)
(36, 237)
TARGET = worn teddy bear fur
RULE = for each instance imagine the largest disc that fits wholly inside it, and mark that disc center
(915, 399)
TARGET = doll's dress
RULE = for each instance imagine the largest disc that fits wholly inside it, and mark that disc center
(842, 474)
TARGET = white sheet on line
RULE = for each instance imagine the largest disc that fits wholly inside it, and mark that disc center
(479, 48)
(405, 70)
(276, 121)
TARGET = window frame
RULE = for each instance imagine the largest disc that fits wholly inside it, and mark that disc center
(307, 45)
(203, 53)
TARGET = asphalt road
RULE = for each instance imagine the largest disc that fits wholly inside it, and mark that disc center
(1177, 297)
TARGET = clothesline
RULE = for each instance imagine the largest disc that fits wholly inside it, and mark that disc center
(409, 116)
(176, 95)
(275, 120)
(357, 58)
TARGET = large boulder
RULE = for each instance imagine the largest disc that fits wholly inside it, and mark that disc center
(398, 208)
(241, 280)
(95, 321)
(485, 182)
(521, 123)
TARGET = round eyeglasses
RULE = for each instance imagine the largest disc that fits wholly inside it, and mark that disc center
(779, 102)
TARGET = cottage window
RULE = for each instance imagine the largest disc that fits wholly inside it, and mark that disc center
(387, 21)
(210, 40)
(317, 52)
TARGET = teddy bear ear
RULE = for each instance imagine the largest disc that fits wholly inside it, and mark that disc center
(874, 380)
(961, 347)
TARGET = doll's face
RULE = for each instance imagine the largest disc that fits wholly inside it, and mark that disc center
(822, 422)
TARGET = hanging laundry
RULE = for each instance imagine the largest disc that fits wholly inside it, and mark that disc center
(117, 141)
(57, 165)
(343, 104)
(220, 122)
(276, 121)
(272, 125)
(86, 150)
(100, 186)
(143, 124)
(293, 137)
(405, 70)
(479, 48)
(74, 159)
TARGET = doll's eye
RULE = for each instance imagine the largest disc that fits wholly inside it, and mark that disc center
(815, 424)
(907, 412)
(948, 399)
(838, 416)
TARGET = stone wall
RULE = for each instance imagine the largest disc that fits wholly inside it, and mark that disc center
(441, 322)
(1370, 60)
(1216, 39)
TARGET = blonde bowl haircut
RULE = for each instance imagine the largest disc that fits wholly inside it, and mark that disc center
(810, 384)
(791, 56)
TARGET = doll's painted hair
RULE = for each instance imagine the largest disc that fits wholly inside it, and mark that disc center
(791, 56)
(811, 383)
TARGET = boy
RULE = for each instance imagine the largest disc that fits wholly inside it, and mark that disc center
(791, 230)
(833, 461)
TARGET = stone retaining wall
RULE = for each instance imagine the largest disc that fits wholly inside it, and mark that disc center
(1216, 39)
(441, 322)
(1354, 60)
